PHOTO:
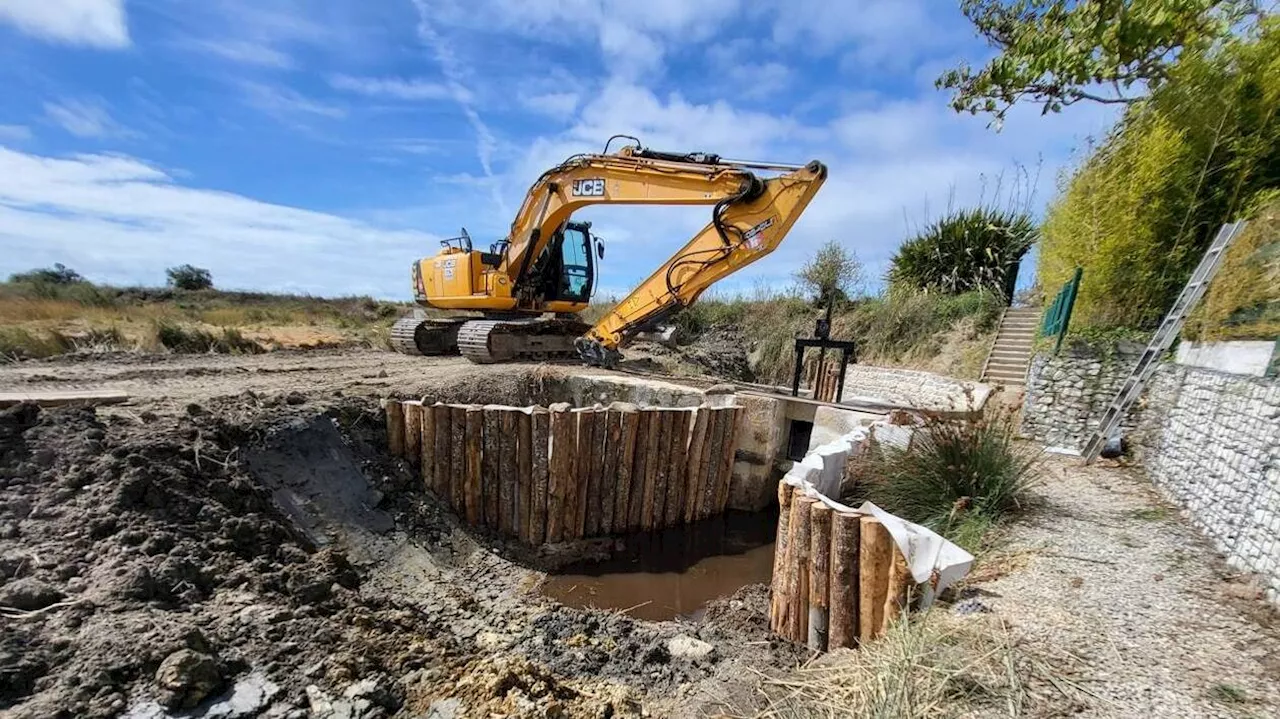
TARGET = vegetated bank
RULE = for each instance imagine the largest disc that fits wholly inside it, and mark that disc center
(43, 317)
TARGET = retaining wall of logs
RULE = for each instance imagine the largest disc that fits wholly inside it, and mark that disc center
(838, 577)
(555, 474)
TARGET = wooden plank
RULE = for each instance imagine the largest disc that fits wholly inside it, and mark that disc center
(80, 398)
(711, 452)
(609, 470)
(779, 600)
(541, 474)
(524, 474)
(819, 573)
(458, 458)
(898, 588)
(490, 471)
(842, 585)
(635, 511)
(799, 560)
(629, 420)
(395, 427)
(442, 419)
(590, 446)
(561, 474)
(475, 451)
(724, 475)
(507, 473)
(654, 466)
(695, 469)
(875, 556)
(427, 448)
(677, 452)
(413, 431)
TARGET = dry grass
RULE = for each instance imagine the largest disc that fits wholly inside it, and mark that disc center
(935, 666)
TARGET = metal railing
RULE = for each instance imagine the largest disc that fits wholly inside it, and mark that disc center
(1057, 318)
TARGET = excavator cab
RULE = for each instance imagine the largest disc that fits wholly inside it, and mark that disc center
(566, 270)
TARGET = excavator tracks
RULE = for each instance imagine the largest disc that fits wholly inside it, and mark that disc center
(490, 341)
(422, 336)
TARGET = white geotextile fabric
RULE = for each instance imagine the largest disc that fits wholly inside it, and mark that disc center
(932, 559)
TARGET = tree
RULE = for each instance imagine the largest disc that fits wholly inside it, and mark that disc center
(1058, 52)
(187, 277)
(833, 274)
(59, 274)
(967, 250)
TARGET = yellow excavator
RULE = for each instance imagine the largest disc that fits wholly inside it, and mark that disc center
(547, 264)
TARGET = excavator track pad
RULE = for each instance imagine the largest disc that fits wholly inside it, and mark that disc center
(490, 341)
(426, 336)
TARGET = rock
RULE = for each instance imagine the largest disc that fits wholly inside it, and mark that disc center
(295, 398)
(28, 594)
(248, 697)
(186, 677)
(444, 709)
(688, 648)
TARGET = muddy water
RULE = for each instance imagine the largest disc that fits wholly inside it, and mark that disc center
(677, 572)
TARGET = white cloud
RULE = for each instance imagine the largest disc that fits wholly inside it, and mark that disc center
(95, 23)
(392, 87)
(116, 218)
(556, 105)
(15, 133)
(285, 103)
(85, 118)
(242, 51)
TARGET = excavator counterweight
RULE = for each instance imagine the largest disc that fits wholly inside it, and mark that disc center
(547, 263)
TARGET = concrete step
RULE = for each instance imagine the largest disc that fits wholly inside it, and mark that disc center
(999, 355)
(1007, 367)
(1011, 381)
(1021, 336)
(1023, 326)
(1022, 345)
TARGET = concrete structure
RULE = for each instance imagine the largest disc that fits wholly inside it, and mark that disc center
(1010, 354)
(1209, 440)
(1247, 358)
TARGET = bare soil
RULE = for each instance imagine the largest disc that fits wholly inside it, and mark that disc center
(236, 542)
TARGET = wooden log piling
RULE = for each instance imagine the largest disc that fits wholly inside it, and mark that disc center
(458, 458)
(413, 431)
(442, 420)
(524, 474)
(639, 470)
(779, 594)
(819, 574)
(678, 453)
(591, 457)
(395, 427)
(874, 561)
(427, 447)
(507, 474)
(695, 468)
(628, 423)
(475, 449)
(541, 421)
(609, 468)
(492, 466)
(561, 475)
(842, 616)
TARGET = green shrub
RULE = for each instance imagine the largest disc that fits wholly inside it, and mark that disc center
(188, 277)
(958, 476)
(186, 340)
(976, 249)
(1243, 301)
(59, 274)
(1140, 210)
(17, 343)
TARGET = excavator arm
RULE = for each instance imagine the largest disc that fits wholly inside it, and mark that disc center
(743, 229)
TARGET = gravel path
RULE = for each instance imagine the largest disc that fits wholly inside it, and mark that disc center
(1120, 609)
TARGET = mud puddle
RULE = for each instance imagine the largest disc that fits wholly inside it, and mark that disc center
(675, 573)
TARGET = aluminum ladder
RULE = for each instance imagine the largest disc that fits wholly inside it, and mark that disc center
(1168, 331)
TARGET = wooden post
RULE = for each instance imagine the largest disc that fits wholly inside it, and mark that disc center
(395, 427)
(729, 445)
(875, 556)
(475, 450)
(590, 446)
(561, 474)
(779, 599)
(678, 451)
(428, 448)
(629, 421)
(458, 458)
(711, 452)
(819, 574)
(695, 468)
(798, 548)
(524, 474)
(442, 420)
(413, 431)
(654, 461)
(507, 473)
(541, 456)
(898, 588)
(842, 600)
(609, 471)
(639, 469)
(491, 464)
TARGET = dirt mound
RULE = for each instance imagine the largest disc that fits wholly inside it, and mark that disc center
(721, 351)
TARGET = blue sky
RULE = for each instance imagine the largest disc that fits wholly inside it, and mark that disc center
(320, 147)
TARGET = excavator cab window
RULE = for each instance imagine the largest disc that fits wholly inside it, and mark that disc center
(575, 254)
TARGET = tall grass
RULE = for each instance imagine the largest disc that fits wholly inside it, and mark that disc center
(958, 477)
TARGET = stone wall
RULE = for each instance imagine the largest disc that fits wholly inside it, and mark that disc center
(1209, 440)
(910, 388)
(1067, 393)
